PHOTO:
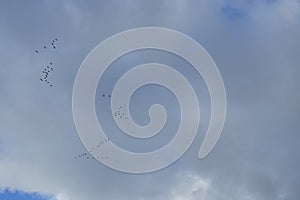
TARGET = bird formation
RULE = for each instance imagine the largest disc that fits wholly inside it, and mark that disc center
(53, 43)
(45, 46)
(88, 156)
(49, 67)
(46, 73)
(121, 114)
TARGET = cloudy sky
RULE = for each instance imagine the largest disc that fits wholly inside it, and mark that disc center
(255, 45)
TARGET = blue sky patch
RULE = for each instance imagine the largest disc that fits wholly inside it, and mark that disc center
(17, 195)
(233, 13)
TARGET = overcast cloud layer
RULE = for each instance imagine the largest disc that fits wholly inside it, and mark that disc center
(256, 46)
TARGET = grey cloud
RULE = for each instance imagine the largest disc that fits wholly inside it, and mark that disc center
(257, 156)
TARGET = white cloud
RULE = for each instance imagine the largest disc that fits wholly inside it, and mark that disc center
(60, 197)
(190, 187)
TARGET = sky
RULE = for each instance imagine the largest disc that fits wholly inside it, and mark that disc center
(255, 45)
(17, 195)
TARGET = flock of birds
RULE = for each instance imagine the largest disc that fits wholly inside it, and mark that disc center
(119, 114)
(45, 74)
(52, 44)
(50, 67)
(88, 156)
